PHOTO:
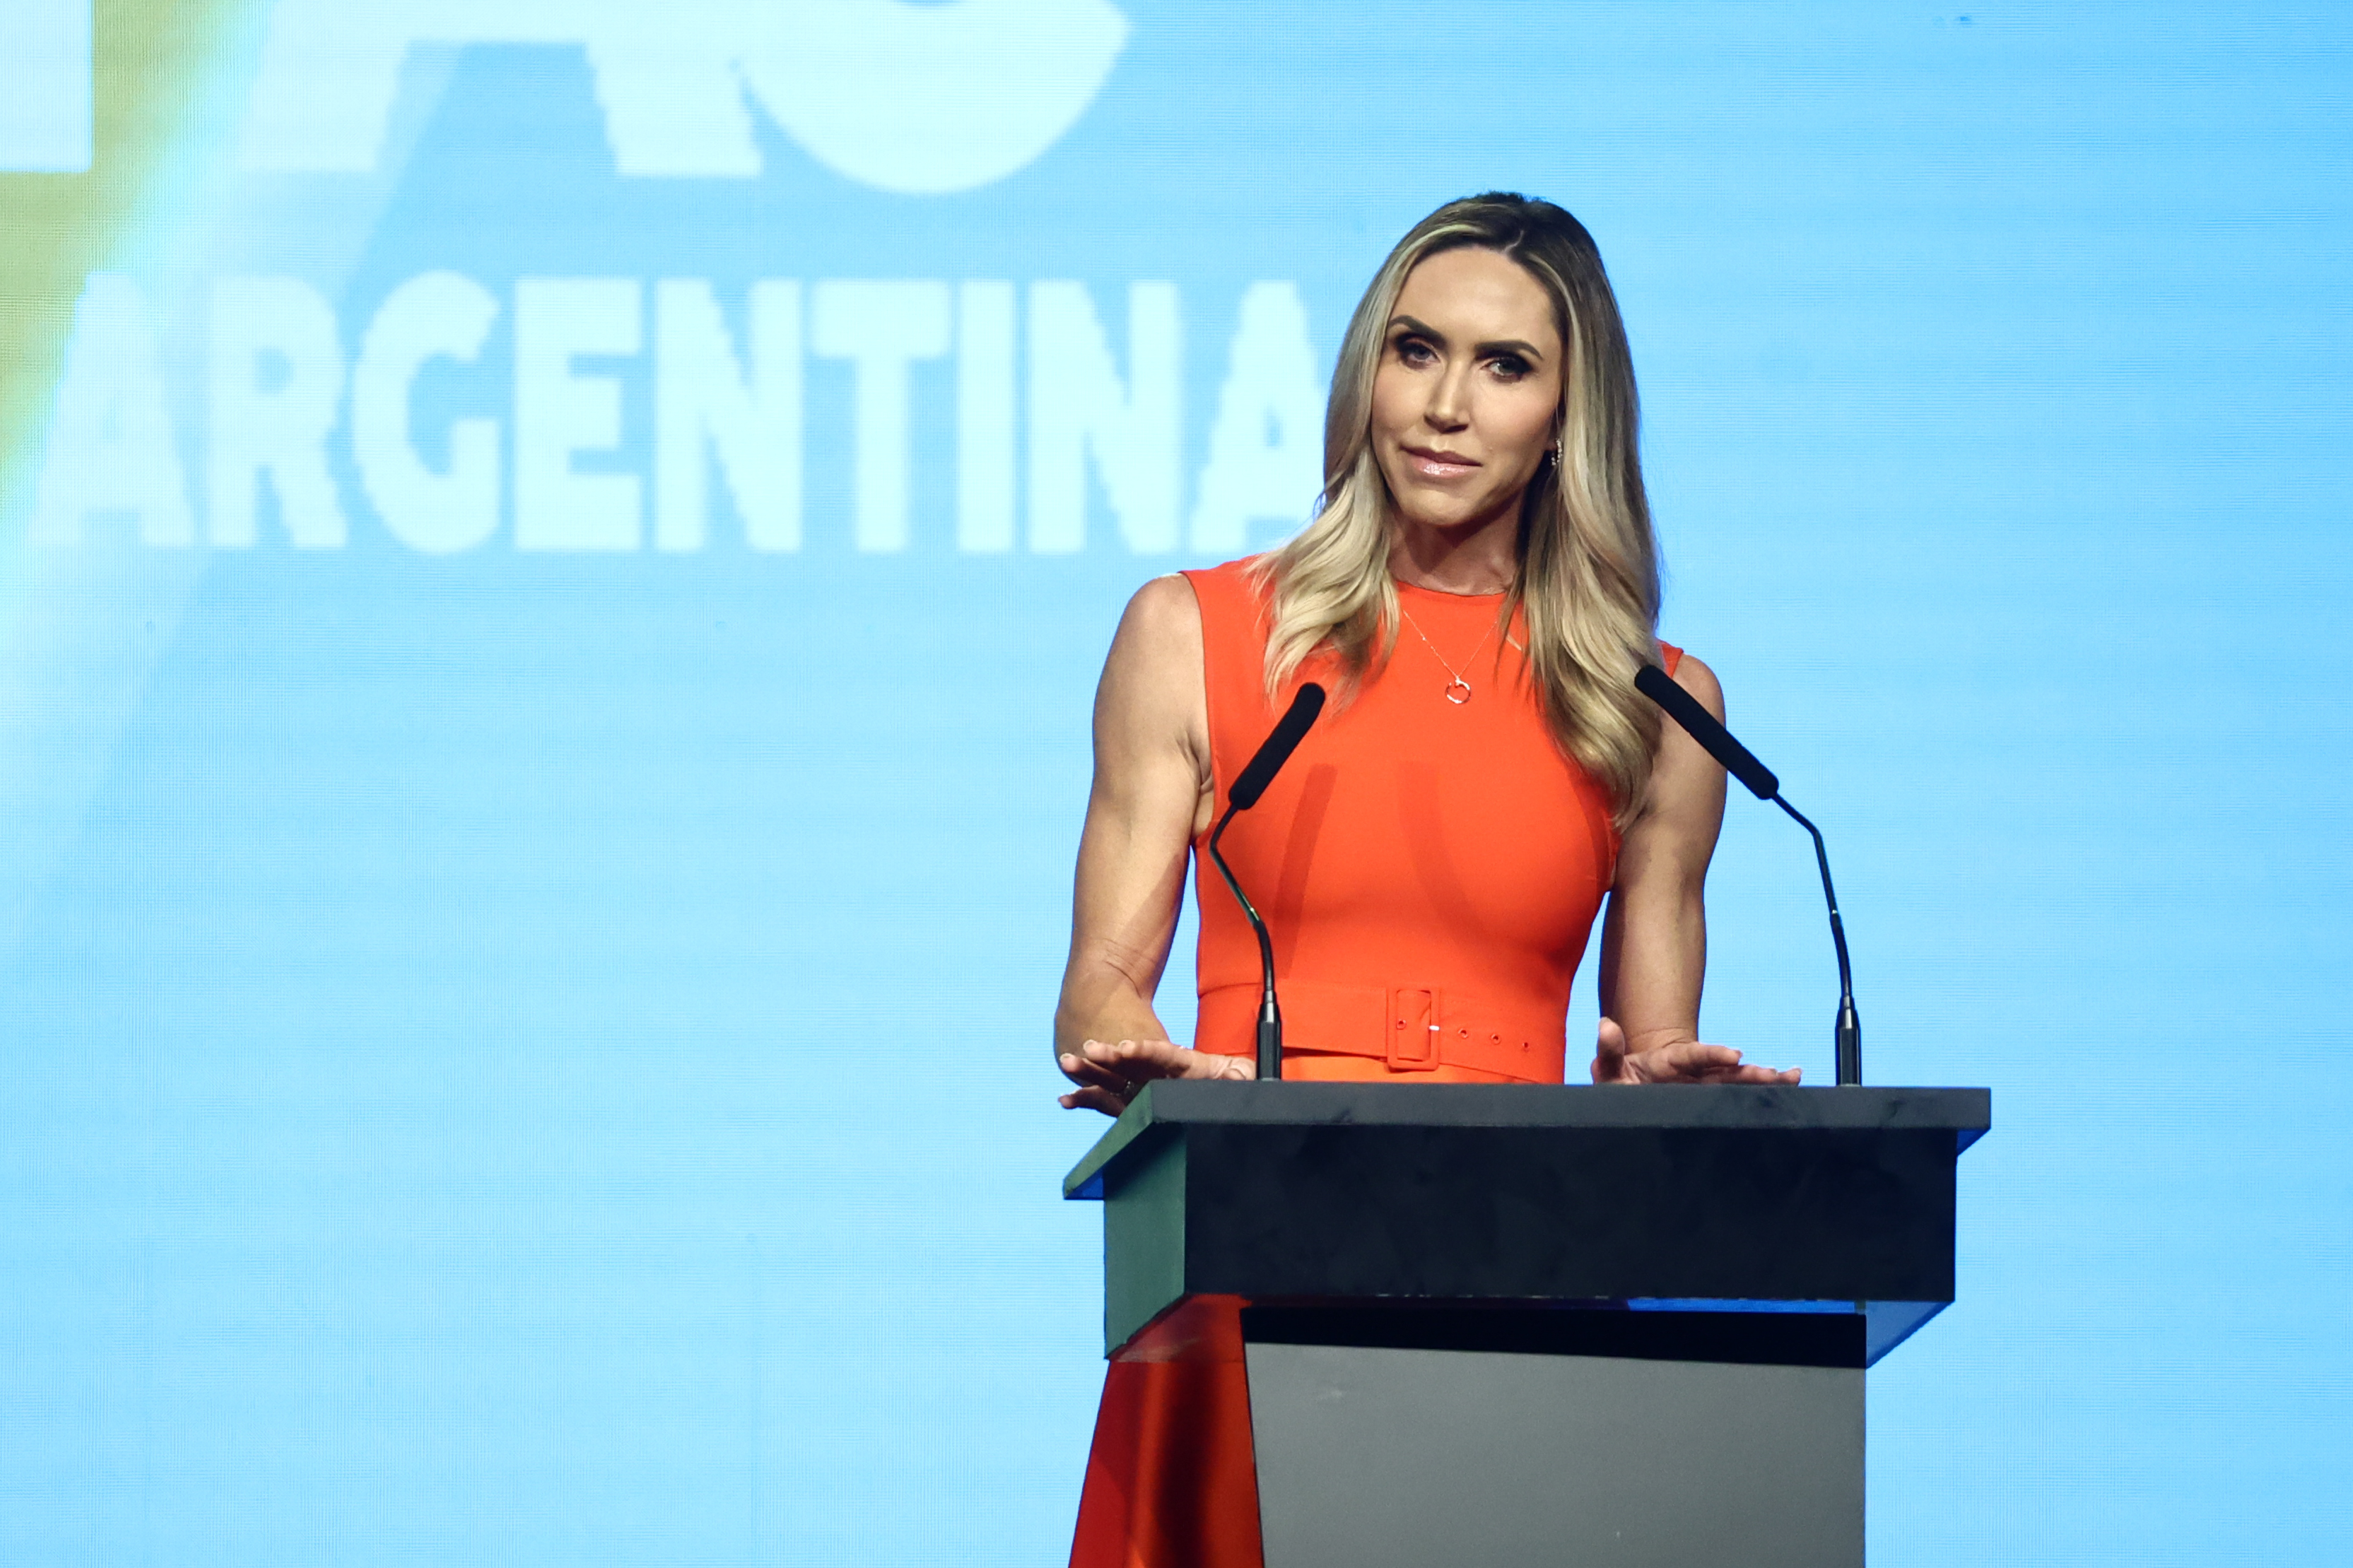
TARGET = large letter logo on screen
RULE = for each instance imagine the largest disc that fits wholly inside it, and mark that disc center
(584, 406)
(912, 98)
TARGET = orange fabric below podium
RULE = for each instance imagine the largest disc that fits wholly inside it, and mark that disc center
(1172, 1477)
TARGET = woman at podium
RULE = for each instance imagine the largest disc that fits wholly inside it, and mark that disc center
(1477, 590)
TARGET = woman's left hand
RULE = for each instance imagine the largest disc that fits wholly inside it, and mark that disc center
(1677, 1061)
(1109, 1075)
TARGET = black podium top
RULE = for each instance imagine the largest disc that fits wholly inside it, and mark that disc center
(1718, 1198)
(1965, 1113)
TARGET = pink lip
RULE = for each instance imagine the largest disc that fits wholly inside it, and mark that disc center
(1440, 465)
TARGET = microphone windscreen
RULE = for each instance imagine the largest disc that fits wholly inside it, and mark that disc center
(1288, 732)
(1700, 725)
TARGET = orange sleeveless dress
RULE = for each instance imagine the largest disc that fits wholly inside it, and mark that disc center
(1429, 872)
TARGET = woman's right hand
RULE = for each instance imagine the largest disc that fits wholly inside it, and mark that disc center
(1108, 1074)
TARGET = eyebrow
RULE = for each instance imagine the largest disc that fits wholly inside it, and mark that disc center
(1421, 328)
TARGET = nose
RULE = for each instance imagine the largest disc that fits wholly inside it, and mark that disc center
(1449, 399)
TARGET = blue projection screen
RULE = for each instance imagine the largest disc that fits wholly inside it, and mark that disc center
(557, 554)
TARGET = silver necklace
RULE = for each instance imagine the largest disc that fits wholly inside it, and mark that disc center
(1458, 690)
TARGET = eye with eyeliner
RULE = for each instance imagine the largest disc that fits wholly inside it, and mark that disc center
(1413, 349)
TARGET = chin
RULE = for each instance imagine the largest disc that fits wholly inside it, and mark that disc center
(1447, 519)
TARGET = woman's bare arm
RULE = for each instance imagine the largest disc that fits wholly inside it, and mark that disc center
(1655, 939)
(1153, 791)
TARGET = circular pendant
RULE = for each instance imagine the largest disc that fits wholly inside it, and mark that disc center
(1458, 692)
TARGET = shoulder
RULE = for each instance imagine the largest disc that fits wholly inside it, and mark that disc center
(1207, 609)
(1165, 614)
(1151, 697)
(1693, 676)
(1156, 654)
(1683, 804)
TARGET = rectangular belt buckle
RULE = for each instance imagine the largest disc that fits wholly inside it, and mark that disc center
(1413, 1030)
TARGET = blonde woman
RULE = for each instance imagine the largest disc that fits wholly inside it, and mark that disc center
(1477, 590)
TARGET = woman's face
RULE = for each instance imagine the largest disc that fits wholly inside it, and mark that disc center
(1467, 398)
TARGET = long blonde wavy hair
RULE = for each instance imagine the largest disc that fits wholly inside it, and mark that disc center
(1587, 579)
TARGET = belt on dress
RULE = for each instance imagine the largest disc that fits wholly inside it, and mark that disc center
(1410, 1028)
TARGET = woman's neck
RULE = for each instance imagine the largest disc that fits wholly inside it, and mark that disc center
(1483, 558)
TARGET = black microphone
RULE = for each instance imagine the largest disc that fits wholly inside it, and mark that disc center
(1246, 787)
(1741, 763)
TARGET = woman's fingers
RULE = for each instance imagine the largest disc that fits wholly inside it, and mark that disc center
(1696, 1060)
(1103, 1084)
(1120, 1065)
(1109, 1072)
(1093, 1099)
(1140, 1060)
(1691, 1061)
(1091, 1074)
(1686, 1061)
(1725, 1066)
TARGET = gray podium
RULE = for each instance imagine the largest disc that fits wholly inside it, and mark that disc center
(1512, 1326)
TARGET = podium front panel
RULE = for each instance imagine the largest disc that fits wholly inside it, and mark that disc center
(1381, 1458)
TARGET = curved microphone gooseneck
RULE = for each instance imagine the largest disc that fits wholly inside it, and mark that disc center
(1247, 786)
(1739, 762)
